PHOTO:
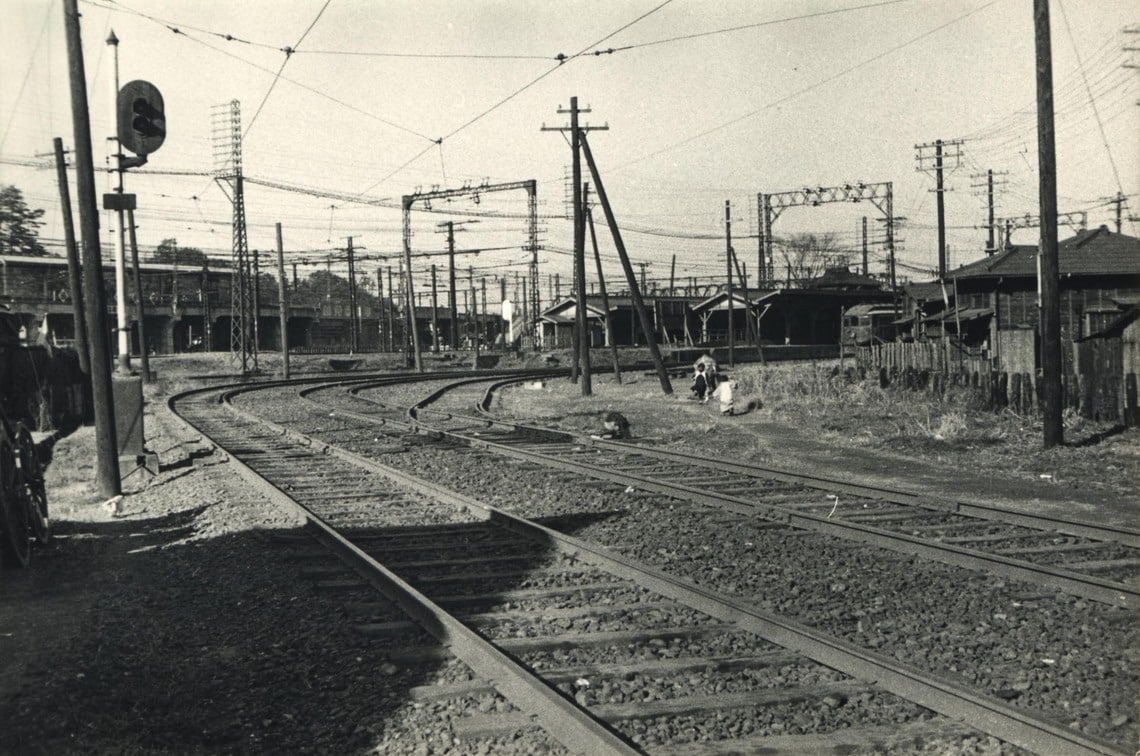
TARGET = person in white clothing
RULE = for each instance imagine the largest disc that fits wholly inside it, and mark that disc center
(723, 393)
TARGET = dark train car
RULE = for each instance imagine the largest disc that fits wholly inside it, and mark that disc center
(867, 324)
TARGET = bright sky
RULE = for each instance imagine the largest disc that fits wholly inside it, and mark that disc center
(705, 100)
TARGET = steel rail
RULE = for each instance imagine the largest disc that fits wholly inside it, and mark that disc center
(991, 715)
(572, 725)
(1088, 586)
(1124, 536)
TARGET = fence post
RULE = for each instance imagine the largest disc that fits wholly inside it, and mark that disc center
(1130, 409)
(1088, 395)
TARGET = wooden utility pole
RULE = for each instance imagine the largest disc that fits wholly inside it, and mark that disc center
(474, 310)
(106, 442)
(390, 316)
(353, 327)
(728, 267)
(483, 324)
(434, 312)
(383, 309)
(74, 272)
(207, 327)
(581, 322)
(866, 269)
(1050, 321)
(631, 279)
(453, 309)
(282, 305)
(582, 336)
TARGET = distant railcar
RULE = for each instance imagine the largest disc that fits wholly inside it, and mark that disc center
(867, 324)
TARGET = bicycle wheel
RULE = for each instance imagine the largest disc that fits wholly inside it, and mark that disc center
(15, 543)
(33, 474)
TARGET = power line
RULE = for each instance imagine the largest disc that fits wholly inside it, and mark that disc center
(729, 30)
(288, 53)
(810, 87)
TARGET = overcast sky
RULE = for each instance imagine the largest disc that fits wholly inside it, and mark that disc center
(705, 101)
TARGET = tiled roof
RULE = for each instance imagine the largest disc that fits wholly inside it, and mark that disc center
(1094, 252)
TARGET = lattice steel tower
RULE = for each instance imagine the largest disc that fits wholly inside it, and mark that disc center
(227, 138)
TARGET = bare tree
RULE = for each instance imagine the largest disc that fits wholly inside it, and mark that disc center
(808, 255)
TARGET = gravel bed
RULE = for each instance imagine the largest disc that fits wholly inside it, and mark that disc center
(1072, 660)
(178, 625)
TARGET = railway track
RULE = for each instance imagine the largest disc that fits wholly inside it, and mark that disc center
(547, 602)
(1083, 559)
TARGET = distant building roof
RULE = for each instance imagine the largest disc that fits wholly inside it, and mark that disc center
(1095, 252)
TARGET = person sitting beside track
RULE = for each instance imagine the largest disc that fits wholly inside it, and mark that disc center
(615, 426)
(724, 394)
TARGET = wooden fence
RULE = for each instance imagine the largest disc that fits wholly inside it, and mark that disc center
(1102, 396)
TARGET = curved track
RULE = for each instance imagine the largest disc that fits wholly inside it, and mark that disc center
(516, 581)
(1083, 559)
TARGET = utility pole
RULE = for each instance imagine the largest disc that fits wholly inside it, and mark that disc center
(207, 327)
(391, 317)
(434, 312)
(483, 323)
(106, 443)
(939, 189)
(474, 310)
(866, 270)
(353, 327)
(1118, 200)
(282, 305)
(383, 308)
(74, 271)
(1049, 263)
(728, 272)
(454, 311)
(255, 310)
(991, 223)
(580, 327)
